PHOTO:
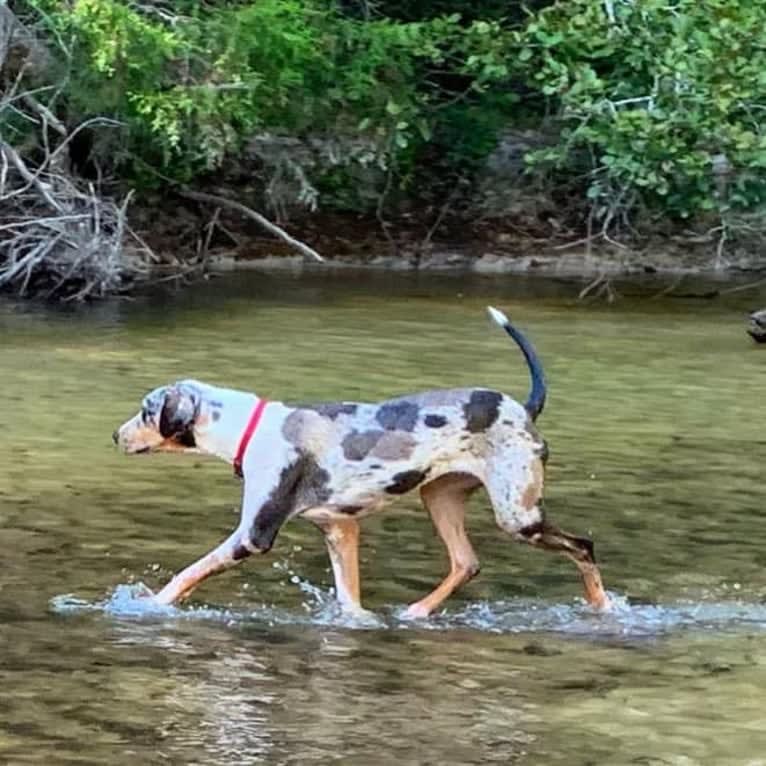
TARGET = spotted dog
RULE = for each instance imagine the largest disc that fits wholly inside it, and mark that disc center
(336, 463)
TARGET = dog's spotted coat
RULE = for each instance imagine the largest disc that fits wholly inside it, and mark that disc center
(337, 462)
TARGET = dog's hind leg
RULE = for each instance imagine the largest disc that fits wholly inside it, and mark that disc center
(445, 500)
(342, 540)
(545, 535)
(515, 491)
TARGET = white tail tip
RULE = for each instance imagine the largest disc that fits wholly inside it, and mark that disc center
(498, 316)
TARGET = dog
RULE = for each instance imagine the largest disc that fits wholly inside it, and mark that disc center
(338, 462)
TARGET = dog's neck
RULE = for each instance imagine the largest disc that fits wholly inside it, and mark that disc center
(223, 416)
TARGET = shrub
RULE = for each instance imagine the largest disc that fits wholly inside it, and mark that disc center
(659, 104)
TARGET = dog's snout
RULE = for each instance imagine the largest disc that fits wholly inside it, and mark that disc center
(116, 437)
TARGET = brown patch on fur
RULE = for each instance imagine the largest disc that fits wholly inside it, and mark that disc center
(357, 445)
(142, 439)
(394, 445)
(294, 424)
(534, 490)
(171, 445)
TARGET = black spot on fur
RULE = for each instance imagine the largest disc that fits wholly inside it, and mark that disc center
(186, 438)
(240, 552)
(179, 410)
(302, 483)
(482, 410)
(375, 466)
(587, 547)
(435, 421)
(216, 415)
(331, 410)
(405, 481)
(357, 444)
(398, 416)
(313, 488)
(533, 530)
(275, 511)
(546, 535)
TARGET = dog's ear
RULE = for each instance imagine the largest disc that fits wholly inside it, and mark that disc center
(179, 410)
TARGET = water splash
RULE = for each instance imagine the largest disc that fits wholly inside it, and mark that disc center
(624, 620)
(133, 601)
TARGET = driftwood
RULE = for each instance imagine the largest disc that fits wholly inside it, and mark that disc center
(277, 231)
(60, 241)
(59, 237)
(601, 286)
(757, 326)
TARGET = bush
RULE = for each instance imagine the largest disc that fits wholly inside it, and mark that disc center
(659, 105)
(195, 84)
(647, 106)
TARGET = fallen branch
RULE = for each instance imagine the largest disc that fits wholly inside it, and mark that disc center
(58, 238)
(601, 285)
(440, 217)
(32, 179)
(740, 288)
(277, 231)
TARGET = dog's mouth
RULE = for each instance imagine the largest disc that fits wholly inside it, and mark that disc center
(140, 451)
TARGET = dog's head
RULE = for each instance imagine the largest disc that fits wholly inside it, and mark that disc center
(165, 423)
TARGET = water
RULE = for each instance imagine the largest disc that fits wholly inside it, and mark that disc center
(655, 428)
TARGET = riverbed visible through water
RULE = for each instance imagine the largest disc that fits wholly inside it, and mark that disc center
(655, 422)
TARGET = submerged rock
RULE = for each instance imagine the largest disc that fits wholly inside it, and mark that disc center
(757, 327)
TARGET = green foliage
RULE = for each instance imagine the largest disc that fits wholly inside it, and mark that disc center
(649, 98)
(653, 97)
(192, 90)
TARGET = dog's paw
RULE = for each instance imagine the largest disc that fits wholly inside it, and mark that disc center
(416, 612)
(360, 617)
(140, 590)
(603, 604)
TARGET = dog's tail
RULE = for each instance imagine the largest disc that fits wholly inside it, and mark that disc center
(536, 399)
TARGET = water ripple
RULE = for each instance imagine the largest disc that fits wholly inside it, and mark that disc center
(624, 620)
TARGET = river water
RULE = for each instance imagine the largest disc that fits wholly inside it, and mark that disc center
(655, 424)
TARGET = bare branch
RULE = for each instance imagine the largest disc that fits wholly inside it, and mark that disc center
(277, 231)
(46, 115)
(32, 179)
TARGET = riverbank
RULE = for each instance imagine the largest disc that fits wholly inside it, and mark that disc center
(219, 240)
(156, 240)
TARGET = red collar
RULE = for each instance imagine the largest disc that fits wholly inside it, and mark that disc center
(247, 434)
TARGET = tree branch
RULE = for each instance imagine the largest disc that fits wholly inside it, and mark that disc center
(277, 231)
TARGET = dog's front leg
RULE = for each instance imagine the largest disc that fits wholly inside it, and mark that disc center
(228, 554)
(268, 500)
(342, 540)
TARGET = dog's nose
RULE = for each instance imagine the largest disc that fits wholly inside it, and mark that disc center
(116, 437)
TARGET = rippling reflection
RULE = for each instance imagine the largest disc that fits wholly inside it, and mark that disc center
(655, 430)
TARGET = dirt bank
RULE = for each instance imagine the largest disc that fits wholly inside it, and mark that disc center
(221, 240)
